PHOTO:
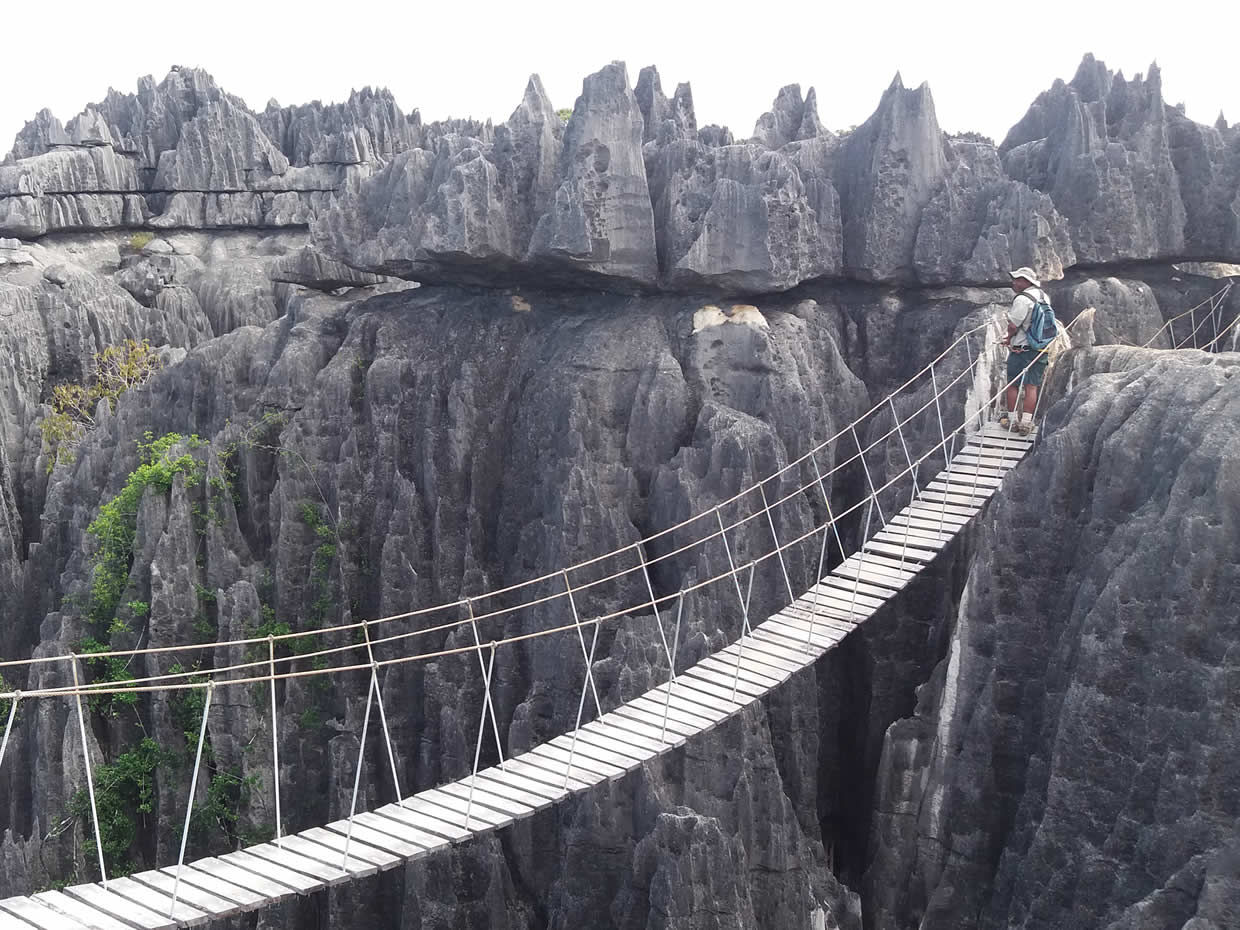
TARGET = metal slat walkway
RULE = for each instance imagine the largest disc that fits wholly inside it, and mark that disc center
(701, 697)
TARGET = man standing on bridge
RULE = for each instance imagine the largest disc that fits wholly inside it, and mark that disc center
(1024, 365)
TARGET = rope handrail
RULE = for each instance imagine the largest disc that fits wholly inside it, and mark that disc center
(91, 690)
(358, 625)
(1218, 295)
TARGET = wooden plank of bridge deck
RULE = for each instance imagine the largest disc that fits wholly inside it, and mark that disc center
(959, 499)
(775, 666)
(967, 469)
(995, 431)
(480, 818)
(189, 893)
(792, 639)
(676, 729)
(614, 719)
(824, 613)
(716, 691)
(267, 888)
(22, 913)
(333, 846)
(506, 782)
(699, 703)
(743, 683)
(801, 625)
(286, 864)
(766, 645)
(185, 913)
(755, 671)
(556, 754)
(837, 593)
(962, 486)
(682, 712)
(590, 752)
(239, 897)
(636, 745)
(533, 783)
(925, 525)
(397, 838)
(906, 549)
(962, 511)
(804, 629)
(871, 568)
(622, 724)
(84, 914)
(752, 650)
(657, 706)
(242, 860)
(294, 855)
(895, 534)
(121, 908)
(928, 539)
(491, 798)
(417, 817)
(551, 773)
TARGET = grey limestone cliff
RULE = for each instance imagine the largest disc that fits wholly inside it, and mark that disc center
(1067, 766)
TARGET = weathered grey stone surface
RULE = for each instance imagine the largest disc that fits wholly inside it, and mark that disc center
(1118, 163)
(1128, 311)
(600, 219)
(1069, 760)
(980, 224)
(888, 169)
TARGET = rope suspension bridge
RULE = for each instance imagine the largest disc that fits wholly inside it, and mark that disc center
(951, 458)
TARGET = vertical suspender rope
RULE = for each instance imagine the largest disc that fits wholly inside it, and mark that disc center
(740, 640)
(588, 656)
(193, 790)
(275, 737)
(745, 630)
(654, 603)
(90, 780)
(913, 472)
(8, 727)
(581, 705)
(948, 456)
(868, 479)
(487, 702)
(487, 669)
(357, 774)
(387, 734)
(831, 525)
(770, 521)
(671, 681)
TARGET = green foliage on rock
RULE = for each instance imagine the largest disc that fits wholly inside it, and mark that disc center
(112, 372)
(125, 797)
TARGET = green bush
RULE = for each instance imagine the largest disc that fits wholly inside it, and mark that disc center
(125, 796)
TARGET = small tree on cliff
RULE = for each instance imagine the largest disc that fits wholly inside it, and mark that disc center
(113, 372)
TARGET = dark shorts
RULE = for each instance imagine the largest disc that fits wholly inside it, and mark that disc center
(1032, 363)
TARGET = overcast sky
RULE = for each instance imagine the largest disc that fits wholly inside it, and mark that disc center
(985, 62)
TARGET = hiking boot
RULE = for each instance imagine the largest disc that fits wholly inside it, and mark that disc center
(1005, 422)
(1025, 428)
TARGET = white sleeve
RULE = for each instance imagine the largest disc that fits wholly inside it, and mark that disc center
(1022, 309)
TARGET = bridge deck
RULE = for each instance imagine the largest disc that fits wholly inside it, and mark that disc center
(702, 696)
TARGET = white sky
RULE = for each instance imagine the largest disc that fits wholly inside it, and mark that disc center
(985, 61)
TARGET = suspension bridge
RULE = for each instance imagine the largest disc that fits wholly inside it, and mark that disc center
(952, 459)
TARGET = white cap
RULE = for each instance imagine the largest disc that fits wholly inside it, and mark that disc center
(1028, 274)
